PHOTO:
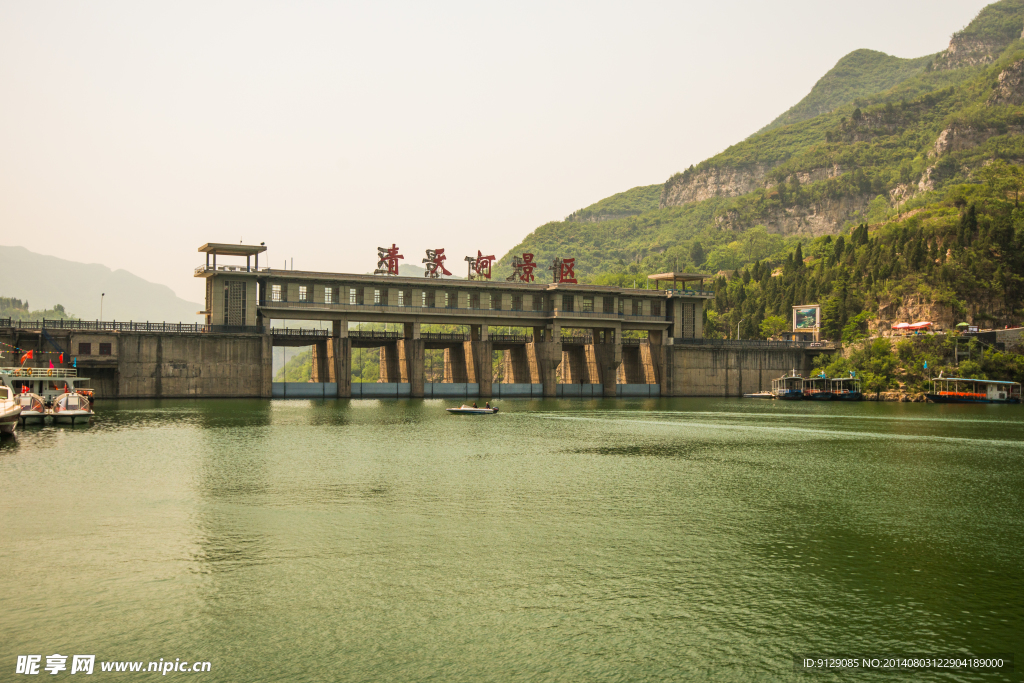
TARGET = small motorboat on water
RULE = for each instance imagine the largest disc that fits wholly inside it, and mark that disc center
(72, 408)
(33, 410)
(470, 410)
(9, 410)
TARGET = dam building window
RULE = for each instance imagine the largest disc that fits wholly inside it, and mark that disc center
(105, 349)
(517, 302)
(474, 300)
(588, 304)
(84, 349)
(352, 296)
(328, 295)
(567, 303)
(401, 298)
(622, 306)
(376, 296)
(423, 295)
(302, 293)
(538, 302)
(496, 301)
(655, 308)
(275, 292)
(609, 304)
(447, 300)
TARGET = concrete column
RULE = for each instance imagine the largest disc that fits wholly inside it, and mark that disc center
(412, 330)
(478, 332)
(455, 364)
(339, 328)
(547, 355)
(321, 367)
(267, 366)
(410, 361)
(389, 366)
(479, 370)
(609, 358)
(574, 365)
(339, 352)
(517, 365)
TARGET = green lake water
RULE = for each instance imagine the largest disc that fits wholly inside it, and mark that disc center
(646, 540)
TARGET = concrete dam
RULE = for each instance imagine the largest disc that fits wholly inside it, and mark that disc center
(570, 340)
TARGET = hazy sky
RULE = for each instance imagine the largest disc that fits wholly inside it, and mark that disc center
(133, 132)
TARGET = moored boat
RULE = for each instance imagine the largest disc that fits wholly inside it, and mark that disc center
(788, 387)
(72, 408)
(817, 388)
(967, 390)
(845, 388)
(33, 410)
(9, 410)
(47, 383)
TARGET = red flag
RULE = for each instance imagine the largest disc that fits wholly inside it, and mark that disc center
(27, 356)
(51, 365)
(61, 361)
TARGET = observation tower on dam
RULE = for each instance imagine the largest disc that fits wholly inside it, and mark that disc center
(576, 339)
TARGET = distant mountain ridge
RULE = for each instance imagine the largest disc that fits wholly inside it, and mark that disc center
(45, 281)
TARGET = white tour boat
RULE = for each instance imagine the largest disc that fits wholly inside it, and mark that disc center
(33, 409)
(9, 411)
(72, 408)
(46, 383)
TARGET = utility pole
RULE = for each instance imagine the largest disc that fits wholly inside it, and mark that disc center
(103, 294)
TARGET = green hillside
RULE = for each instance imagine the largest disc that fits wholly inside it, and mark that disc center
(920, 143)
(859, 74)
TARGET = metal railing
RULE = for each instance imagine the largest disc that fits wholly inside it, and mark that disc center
(49, 373)
(445, 336)
(757, 343)
(130, 326)
(375, 334)
(577, 338)
(691, 291)
(510, 338)
(225, 269)
(299, 332)
(108, 326)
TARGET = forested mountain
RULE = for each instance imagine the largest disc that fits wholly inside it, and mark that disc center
(900, 147)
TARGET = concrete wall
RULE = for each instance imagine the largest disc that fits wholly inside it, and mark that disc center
(710, 371)
(193, 365)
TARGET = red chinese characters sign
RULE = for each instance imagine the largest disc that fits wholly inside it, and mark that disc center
(435, 263)
(522, 268)
(480, 266)
(563, 271)
(387, 260)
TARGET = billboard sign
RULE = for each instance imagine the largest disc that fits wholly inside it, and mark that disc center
(806, 318)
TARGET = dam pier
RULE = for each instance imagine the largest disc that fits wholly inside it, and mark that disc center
(497, 339)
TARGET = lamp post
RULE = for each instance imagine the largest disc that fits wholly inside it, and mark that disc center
(738, 328)
(102, 294)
